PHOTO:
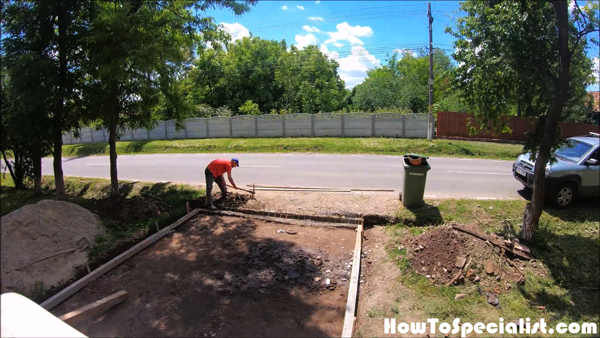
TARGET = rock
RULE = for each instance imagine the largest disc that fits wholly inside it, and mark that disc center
(328, 281)
(317, 279)
(492, 299)
(498, 278)
(331, 287)
(401, 247)
(491, 208)
(291, 232)
(469, 273)
(439, 264)
(280, 231)
(424, 269)
(477, 279)
(508, 286)
(428, 276)
(328, 271)
(445, 270)
(421, 247)
(422, 262)
(459, 296)
(460, 261)
(489, 267)
(497, 290)
(319, 257)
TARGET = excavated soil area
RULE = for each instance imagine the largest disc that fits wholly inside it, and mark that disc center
(124, 210)
(441, 252)
(227, 276)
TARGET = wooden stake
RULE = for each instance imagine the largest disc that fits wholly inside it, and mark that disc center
(460, 271)
(157, 227)
(187, 207)
(349, 317)
(94, 308)
(87, 266)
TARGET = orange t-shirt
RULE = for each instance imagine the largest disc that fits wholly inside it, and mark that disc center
(220, 166)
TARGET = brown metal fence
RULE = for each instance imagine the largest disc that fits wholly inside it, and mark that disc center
(451, 124)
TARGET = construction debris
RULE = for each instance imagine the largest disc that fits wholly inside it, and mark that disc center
(94, 308)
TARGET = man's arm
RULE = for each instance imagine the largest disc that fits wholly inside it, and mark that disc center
(231, 180)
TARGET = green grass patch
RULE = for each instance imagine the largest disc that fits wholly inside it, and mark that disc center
(83, 191)
(388, 146)
(567, 244)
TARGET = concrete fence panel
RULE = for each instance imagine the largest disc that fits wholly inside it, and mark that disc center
(196, 127)
(243, 126)
(298, 125)
(270, 126)
(172, 132)
(416, 126)
(140, 134)
(219, 127)
(389, 125)
(159, 131)
(328, 125)
(358, 125)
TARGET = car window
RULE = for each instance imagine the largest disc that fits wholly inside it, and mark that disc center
(574, 150)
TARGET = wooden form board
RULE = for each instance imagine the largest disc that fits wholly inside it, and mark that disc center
(94, 308)
(80, 284)
(349, 318)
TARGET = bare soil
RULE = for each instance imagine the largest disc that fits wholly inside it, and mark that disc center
(326, 203)
(441, 252)
(227, 276)
(381, 290)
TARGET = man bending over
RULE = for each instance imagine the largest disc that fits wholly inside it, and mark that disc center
(214, 173)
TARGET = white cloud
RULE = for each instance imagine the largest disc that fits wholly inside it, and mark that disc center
(317, 2)
(312, 29)
(571, 6)
(284, 8)
(315, 18)
(406, 51)
(304, 40)
(596, 68)
(300, 7)
(353, 68)
(345, 32)
(236, 30)
(338, 44)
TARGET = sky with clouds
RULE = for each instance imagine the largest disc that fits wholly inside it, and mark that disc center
(359, 35)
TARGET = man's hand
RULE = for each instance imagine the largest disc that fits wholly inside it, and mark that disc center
(231, 181)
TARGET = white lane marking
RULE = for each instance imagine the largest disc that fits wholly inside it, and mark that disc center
(261, 166)
(478, 173)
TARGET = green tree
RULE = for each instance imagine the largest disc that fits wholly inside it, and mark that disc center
(249, 108)
(138, 51)
(526, 53)
(310, 82)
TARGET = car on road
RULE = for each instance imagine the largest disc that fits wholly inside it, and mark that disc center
(575, 173)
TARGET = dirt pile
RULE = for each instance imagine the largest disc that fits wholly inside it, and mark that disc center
(440, 253)
(41, 230)
(124, 210)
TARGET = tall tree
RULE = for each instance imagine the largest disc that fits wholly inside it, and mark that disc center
(532, 53)
(138, 51)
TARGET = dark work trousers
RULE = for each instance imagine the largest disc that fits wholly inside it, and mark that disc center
(210, 178)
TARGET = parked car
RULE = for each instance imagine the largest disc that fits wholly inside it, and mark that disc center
(576, 172)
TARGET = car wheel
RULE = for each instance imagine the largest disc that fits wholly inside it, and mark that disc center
(564, 196)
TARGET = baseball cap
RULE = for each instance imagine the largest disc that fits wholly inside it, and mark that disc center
(236, 161)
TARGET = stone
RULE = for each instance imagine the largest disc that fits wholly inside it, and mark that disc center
(291, 232)
(489, 267)
(477, 279)
(424, 269)
(460, 261)
(421, 247)
(319, 257)
(327, 271)
(497, 290)
(498, 278)
(317, 279)
(469, 273)
(328, 281)
(428, 276)
(459, 296)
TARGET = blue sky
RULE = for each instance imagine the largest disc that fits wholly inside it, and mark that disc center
(357, 34)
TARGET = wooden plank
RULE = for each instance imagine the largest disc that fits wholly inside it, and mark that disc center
(259, 186)
(306, 190)
(80, 284)
(94, 308)
(349, 318)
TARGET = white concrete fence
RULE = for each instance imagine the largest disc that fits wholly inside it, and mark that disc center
(291, 125)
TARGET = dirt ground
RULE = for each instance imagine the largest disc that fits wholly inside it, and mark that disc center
(124, 210)
(227, 276)
(326, 203)
(381, 289)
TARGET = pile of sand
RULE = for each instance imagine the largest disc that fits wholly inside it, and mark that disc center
(37, 231)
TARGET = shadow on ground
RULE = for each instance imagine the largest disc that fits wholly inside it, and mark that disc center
(216, 277)
(426, 215)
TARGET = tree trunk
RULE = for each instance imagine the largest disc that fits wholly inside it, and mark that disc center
(112, 139)
(36, 154)
(59, 181)
(533, 210)
(10, 168)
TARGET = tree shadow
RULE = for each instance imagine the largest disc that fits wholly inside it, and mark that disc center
(218, 276)
(573, 262)
(87, 149)
(136, 146)
(584, 209)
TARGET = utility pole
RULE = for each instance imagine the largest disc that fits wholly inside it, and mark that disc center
(430, 127)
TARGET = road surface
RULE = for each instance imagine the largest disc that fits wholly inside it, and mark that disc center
(449, 177)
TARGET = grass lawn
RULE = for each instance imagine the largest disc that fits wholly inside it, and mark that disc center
(566, 246)
(388, 146)
(82, 191)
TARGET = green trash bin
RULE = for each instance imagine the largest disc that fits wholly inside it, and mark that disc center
(415, 176)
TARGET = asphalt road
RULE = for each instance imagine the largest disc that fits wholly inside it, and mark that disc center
(449, 177)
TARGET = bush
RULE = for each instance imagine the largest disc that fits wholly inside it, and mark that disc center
(249, 108)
